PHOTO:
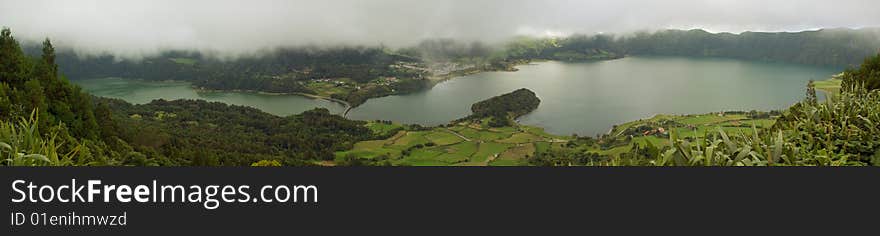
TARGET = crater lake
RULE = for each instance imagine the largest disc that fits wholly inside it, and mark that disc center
(586, 98)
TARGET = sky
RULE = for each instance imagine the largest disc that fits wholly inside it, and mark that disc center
(242, 26)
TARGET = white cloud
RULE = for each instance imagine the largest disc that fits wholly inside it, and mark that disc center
(143, 26)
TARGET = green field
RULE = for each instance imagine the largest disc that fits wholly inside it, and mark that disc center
(515, 155)
(522, 138)
(707, 119)
(466, 144)
(476, 144)
(693, 126)
(443, 138)
(326, 89)
(382, 128)
(464, 148)
(830, 86)
(487, 151)
(410, 139)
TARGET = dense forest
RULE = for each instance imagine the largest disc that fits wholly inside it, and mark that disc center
(46, 120)
(33, 85)
(832, 47)
(358, 63)
(188, 132)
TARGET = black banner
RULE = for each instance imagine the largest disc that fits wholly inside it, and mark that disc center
(431, 200)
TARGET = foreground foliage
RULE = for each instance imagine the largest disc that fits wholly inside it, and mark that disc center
(21, 144)
(843, 132)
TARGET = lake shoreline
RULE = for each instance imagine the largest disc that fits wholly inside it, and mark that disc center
(348, 106)
(571, 88)
(549, 117)
(433, 80)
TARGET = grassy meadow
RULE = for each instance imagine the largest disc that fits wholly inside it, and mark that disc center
(462, 144)
(477, 144)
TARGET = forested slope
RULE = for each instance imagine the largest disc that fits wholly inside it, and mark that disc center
(46, 120)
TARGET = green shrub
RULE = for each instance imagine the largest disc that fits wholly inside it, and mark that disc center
(843, 132)
(22, 145)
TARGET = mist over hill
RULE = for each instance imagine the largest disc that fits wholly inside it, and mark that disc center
(139, 28)
(838, 47)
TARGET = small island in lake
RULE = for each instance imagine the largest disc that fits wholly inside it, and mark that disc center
(503, 109)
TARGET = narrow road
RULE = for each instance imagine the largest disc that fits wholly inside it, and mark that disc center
(348, 106)
(347, 109)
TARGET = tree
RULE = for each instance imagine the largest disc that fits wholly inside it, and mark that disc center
(811, 94)
(48, 52)
(34, 95)
(5, 102)
(12, 59)
(867, 75)
(105, 120)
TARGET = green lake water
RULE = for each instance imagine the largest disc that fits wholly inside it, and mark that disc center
(583, 98)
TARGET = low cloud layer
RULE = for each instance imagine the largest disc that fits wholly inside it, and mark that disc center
(144, 26)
